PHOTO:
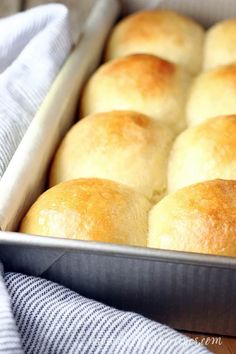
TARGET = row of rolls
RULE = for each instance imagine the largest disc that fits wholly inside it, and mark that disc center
(152, 161)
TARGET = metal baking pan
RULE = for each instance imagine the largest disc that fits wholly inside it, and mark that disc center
(185, 291)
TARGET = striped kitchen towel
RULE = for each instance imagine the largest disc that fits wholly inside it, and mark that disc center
(38, 316)
(33, 47)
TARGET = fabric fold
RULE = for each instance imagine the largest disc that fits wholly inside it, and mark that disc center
(10, 342)
(52, 319)
(33, 46)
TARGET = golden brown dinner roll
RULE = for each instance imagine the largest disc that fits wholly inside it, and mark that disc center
(213, 93)
(90, 209)
(204, 152)
(198, 218)
(142, 83)
(220, 48)
(123, 146)
(164, 33)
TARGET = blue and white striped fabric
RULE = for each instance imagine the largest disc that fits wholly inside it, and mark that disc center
(50, 319)
(9, 338)
(33, 47)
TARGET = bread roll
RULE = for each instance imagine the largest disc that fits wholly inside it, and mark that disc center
(198, 218)
(123, 146)
(213, 93)
(90, 209)
(220, 46)
(142, 83)
(204, 152)
(164, 33)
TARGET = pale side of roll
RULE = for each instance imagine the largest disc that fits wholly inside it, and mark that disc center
(199, 218)
(142, 83)
(212, 94)
(90, 209)
(220, 46)
(204, 152)
(124, 146)
(164, 33)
